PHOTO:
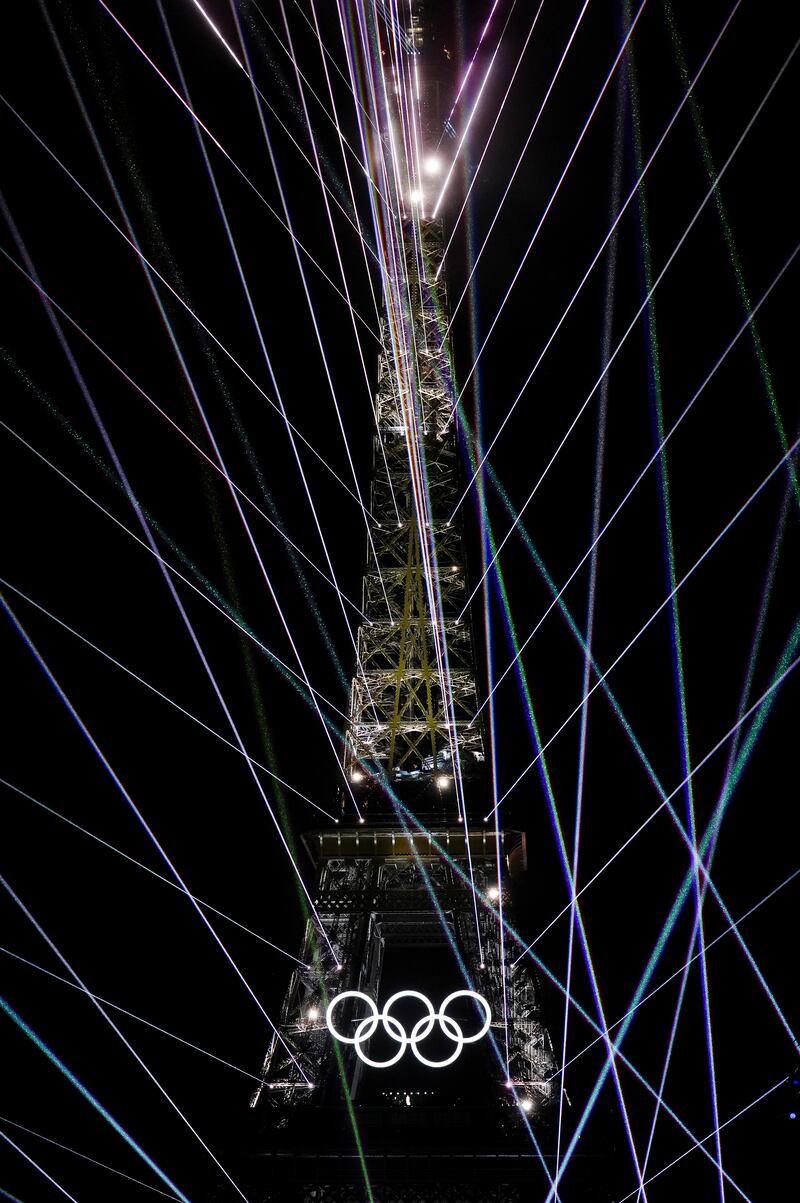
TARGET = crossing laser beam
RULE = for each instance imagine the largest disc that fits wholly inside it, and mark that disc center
(90, 1098)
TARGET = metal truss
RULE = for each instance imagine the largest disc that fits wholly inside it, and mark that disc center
(367, 902)
(411, 710)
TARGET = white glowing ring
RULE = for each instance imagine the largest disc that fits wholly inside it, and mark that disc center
(373, 1019)
(487, 1023)
(388, 1022)
(429, 1019)
(445, 1021)
(422, 1028)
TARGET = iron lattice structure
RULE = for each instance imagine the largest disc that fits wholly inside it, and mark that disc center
(412, 707)
(382, 887)
(417, 877)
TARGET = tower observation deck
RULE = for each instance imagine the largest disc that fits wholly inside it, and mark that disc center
(383, 1095)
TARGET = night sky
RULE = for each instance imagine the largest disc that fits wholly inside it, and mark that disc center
(122, 399)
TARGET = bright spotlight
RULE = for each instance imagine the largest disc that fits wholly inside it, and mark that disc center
(356, 776)
(415, 197)
(443, 781)
(433, 165)
(493, 893)
(526, 1105)
(312, 1013)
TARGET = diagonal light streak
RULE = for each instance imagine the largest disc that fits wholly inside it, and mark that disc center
(317, 171)
(731, 777)
(264, 351)
(84, 1157)
(686, 576)
(706, 850)
(90, 1098)
(198, 321)
(732, 926)
(311, 948)
(766, 594)
(551, 976)
(222, 149)
(425, 528)
(226, 612)
(470, 65)
(576, 633)
(468, 190)
(486, 548)
(544, 968)
(74, 985)
(551, 202)
(653, 459)
(404, 352)
(406, 819)
(362, 162)
(577, 916)
(233, 611)
(588, 658)
(165, 317)
(276, 526)
(164, 697)
(95, 1001)
(493, 763)
(730, 241)
(148, 534)
(312, 314)
(740, 330)
(701, 955)
(667, 798)
(382, 215)
(472, 112)
(219, 34)
(605, 241)
(683, 973)
(567, 870)
(140, 865)
(350, 82)
(332, 115)
(304, 85)
(217, 452)
(676, 641)
(176, 598)
(38, 1167)
(531, 132)
(125, 794)
(681, 896)
(711, 1135)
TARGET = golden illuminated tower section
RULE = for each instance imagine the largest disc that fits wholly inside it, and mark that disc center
(413, 700)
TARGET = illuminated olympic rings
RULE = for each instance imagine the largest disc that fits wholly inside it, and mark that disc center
(367, 1027)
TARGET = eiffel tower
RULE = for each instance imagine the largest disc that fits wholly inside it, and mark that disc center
(413, 894)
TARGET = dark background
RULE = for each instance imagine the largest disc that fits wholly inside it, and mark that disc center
(134, 940)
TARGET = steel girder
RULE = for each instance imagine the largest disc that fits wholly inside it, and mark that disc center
(413, 698)
(365, 902)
